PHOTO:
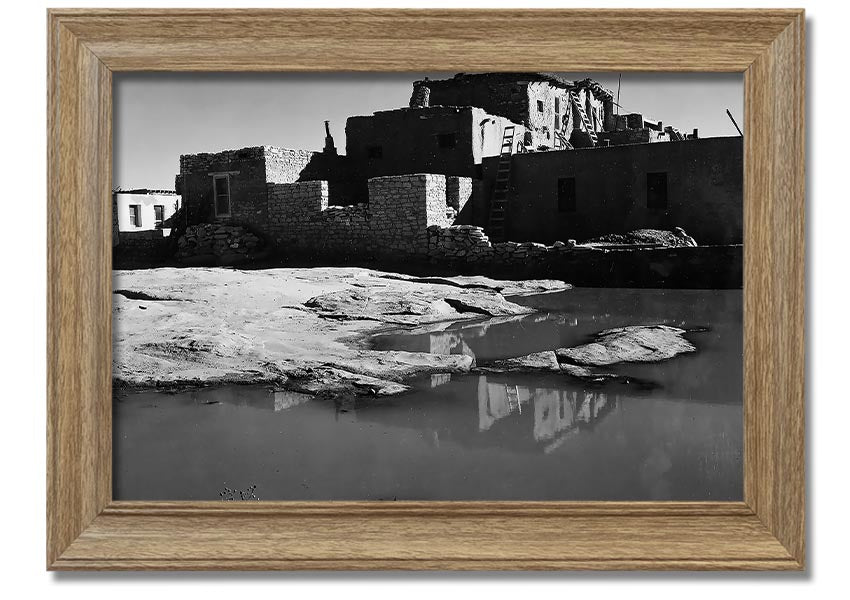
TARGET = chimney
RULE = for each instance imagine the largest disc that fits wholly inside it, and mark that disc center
(329, 148)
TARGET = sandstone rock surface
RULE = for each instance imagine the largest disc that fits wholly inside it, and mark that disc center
(298, 328)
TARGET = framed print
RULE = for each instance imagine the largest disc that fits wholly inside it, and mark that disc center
(414, 289)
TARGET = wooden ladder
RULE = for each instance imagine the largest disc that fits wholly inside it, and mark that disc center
(561, 141)
(499, 201)
(588, 126)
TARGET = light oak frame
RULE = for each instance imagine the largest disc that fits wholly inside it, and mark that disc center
(86, 529)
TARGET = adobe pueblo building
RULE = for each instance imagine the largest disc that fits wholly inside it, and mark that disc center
(486, 170)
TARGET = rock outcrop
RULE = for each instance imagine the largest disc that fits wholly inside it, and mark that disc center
(638, 343)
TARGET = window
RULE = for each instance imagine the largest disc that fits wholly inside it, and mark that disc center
(136, 215)
(567, 195)
(221, 187)
(540, 106)
(446, 140)
(557, 105)
(375, 151)
(158, 212)
(656, 191)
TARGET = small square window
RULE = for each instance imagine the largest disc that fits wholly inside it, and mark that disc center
(158, 213)
(136, 215)
(656, 191)
(540, 106)
(446, 140)
(375, 151)
(567, 195)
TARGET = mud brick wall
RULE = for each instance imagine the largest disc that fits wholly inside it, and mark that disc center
(631, 136)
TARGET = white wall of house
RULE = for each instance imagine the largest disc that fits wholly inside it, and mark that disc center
(147, 211)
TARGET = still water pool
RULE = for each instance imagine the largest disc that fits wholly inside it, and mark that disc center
(468, 437)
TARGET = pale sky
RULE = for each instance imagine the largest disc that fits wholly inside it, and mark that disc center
(159, 116)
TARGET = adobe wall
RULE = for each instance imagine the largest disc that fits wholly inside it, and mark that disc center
(409, 143)
(497, 93)
(704, 190)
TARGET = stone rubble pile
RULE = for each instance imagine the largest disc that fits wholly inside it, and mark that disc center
(218, 240)
(467, 243)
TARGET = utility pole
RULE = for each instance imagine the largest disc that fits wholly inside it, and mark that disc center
(619, 80)
(731, 118)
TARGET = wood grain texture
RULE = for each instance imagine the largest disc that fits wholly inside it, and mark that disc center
(87, 530)
(79, 444)
(774, 287)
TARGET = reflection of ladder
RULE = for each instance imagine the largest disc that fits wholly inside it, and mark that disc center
(588, 126)
(499, 201)
(512, 392)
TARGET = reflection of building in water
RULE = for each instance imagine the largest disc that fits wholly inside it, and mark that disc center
(284, 399)
(440, 379)
(448, 342)
(556, 411)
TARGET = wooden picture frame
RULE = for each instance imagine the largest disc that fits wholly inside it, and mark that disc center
(86, 529)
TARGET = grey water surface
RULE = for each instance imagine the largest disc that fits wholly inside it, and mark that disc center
(675, 434)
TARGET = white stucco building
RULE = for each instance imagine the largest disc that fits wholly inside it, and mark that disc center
(144, 209)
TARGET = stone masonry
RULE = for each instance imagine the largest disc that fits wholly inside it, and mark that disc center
(395, 222)
(458, 192)
(407, 216)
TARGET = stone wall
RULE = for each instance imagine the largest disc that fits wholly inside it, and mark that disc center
(401, 208)
(285, 165)
(247, 174)
(227, 243)
(469, 244)
(458, 192)
(395, 222)
(145, 245)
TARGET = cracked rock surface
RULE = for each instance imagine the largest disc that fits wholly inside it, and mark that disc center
(298, 328)
(638, 343)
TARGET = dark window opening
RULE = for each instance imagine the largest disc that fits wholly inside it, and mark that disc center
(136, 215)
(656, 191)
(221, 187)
(447, 140)
(557, 105)
(540, 106)
(158, 213)
(375, 151)
(567, 195)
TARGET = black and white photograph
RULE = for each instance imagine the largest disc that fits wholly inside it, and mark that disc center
(428, 286)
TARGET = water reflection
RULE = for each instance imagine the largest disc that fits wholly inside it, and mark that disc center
(467, 437)
(557, 412)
